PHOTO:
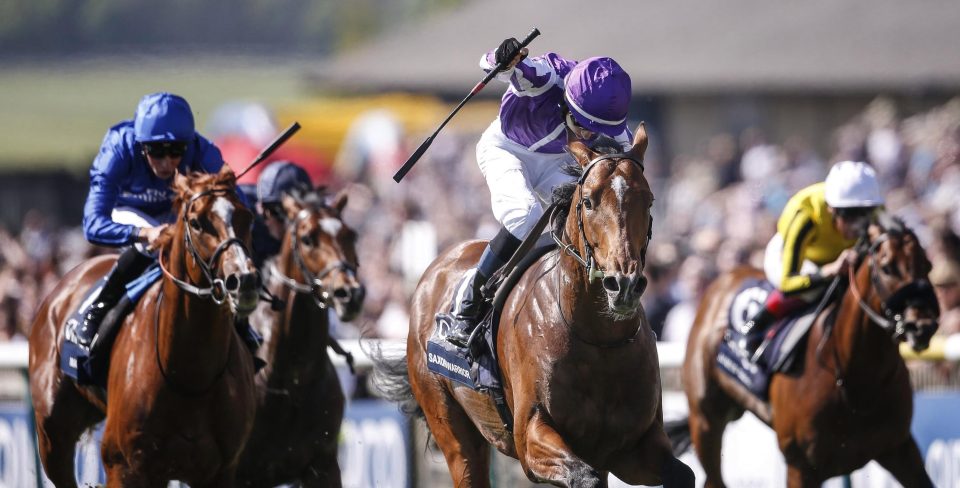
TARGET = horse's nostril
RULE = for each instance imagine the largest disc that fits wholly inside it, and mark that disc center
(250, 281)
(611, 284)
(232, 283)
(641, 285)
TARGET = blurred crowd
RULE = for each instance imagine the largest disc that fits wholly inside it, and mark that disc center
(714, 211)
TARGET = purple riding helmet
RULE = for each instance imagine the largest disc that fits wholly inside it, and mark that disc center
(597, 91)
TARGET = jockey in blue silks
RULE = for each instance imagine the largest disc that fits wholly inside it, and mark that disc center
(130, 198)
(521, 154)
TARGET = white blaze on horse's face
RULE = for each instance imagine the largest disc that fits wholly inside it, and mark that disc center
(331, 226)
(224, 209)
(240, 276)
(616, 227)
(619, 186)
(327, 249)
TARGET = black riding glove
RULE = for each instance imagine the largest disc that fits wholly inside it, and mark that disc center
(508, 50)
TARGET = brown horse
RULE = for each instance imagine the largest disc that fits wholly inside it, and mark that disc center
(578, 359)
(180, 385)
(851, 402)
(300, 402)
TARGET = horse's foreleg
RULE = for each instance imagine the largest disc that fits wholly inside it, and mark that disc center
(546, 457)
(323, 472)
(57, 457)
(707, 437)
(652, 463)
(59, 427)
(798, 477)
(905, 463)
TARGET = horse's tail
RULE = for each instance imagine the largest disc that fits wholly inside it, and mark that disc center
(392, 381)
(679, 433)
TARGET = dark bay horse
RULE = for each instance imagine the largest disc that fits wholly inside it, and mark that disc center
(180, 384)
(300, 402)
(851, 401)
(578, 359)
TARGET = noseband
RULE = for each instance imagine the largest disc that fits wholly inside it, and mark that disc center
(217, 291)
(587, 260)
(893, 305)
(314, 282)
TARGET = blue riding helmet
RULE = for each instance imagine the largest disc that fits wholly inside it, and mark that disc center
(163, 117)
(280, 177)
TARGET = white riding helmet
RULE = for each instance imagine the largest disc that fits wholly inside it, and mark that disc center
(852, 184)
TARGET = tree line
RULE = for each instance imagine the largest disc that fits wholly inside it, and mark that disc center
(67, 27)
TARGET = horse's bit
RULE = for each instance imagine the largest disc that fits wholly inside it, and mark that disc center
(588, 261)
(314, 282)
(217, 291)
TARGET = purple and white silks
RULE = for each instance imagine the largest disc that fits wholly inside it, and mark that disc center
(521, 153)
(530, 112)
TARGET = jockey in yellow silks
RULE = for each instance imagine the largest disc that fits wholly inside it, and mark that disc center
(815, 234)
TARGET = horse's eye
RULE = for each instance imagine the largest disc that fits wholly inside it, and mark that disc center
(587, 203)
(306, 240)
(195, 224)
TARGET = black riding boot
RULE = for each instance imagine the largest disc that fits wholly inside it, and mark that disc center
(467, 310)
(756, 332)
(252, 339)
(130, 265)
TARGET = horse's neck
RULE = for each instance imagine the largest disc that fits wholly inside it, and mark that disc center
(300, 331)
(864, 349)
(190, 327)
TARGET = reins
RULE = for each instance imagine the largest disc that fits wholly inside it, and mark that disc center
(587, 259)
(891, 320)
(217, 291)
(314, 287)
(314, 282)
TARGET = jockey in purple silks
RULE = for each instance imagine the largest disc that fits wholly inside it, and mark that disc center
(521, 154)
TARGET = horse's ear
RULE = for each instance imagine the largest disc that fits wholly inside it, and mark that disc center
(578, 149)
(290, 205)
(181, 184)
(639, 143)
(340, 201)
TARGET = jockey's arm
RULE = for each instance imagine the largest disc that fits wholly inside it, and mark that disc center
(98, 225)
(797, 238)
(530, 76)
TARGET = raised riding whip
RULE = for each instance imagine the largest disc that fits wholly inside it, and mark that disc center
(272, 147)
(476, 89)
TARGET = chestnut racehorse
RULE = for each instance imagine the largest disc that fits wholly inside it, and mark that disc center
(180, 384)
(851, 400)
(577, 357)
(300, 402)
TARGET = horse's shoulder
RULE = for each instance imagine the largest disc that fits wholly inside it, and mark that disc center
(462, 255)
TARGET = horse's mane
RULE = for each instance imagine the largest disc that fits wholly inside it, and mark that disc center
(313, 198)
(563, 194)
(893, 224)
